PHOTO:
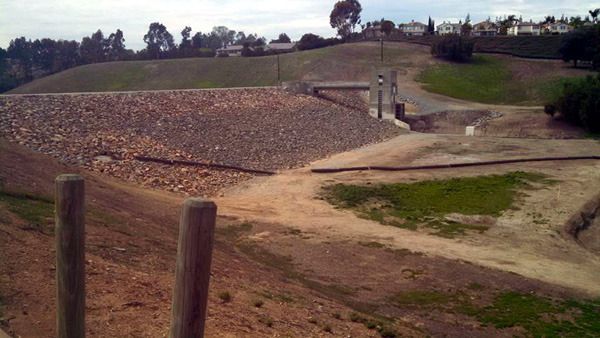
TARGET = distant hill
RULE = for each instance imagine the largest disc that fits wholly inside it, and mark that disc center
(342, 62)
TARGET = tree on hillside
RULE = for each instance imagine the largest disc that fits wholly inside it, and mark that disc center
(310, 41)
(7, 80)
(44, 53)
(576, 21)
(579, 102)
(466, 27)
(582, 44)
(21, 50)
(213, 41)
(198, 40)
(158, 40)
(283, 38)
(115, 45)
(185, 38)
(431, 26)
(387, 27)
(344, 16)
(506, 23)
(594, 13)
(185, 47)
(224, 34)
(93, 48)
(240, 38)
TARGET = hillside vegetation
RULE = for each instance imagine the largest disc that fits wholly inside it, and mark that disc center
(498, 80)
(543, 46)
(494, 79)
(343, 62)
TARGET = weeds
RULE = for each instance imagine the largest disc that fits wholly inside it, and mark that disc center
(225, 296)
(424, 204)
(37, 211)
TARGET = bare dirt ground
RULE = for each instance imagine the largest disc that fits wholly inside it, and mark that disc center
(516, 243)
(130, 253)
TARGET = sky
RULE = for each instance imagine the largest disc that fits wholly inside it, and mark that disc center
(74, 19)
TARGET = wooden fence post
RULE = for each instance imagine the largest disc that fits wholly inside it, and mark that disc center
(194, 254)
(70, 256)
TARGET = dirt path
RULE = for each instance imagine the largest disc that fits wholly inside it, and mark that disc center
(515, 244)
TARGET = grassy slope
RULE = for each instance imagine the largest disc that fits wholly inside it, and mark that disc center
(344, 62)
(489, 80)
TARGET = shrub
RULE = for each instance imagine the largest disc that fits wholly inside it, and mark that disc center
(452, 47)
(225, 296)
(582, 44)
(312, 41)
(579, 103)
(550, 109)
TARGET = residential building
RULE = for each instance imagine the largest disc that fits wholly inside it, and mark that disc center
(449, 28)
(231, 50)
(485, 28)
(413, 28)
(557, 28)
(525, 28)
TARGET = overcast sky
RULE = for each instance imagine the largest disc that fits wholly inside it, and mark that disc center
(73, 19)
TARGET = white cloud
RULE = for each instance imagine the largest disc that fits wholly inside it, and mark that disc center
(73, 19)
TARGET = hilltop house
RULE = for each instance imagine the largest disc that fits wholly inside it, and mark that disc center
(557, 28)
(449, 28)
(485, 28)
(525, 28)
(231, 50)
(413, 28)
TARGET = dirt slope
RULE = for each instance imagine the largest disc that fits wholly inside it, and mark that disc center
(131, 246)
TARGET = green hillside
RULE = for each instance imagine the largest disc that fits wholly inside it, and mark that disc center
(494, 79)
(342, 62)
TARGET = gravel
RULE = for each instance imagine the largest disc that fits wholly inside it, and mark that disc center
(254, 128)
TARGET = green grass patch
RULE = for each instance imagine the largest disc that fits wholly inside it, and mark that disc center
(538, 316)
(542, 317)
(37, 211)
(410, 205)
(488, 79)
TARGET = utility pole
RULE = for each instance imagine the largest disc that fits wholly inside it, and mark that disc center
(278, 72)
(381, 40)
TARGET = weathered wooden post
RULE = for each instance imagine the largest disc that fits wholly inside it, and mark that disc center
(70, 256)
(194, 254)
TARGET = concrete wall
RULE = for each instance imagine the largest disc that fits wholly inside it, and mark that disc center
(382, 94)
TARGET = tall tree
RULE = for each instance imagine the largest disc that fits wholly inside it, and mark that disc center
(240, 38)
(582, 44)
(21, 50)
(158, 40)
(116, 46)
(387, 27)
(467, 27)
(431, 26)
(93, 48)
(224, 34)
(198, 40)
(344, 16)
(594, 13)
(283, 38)
(185, 47)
